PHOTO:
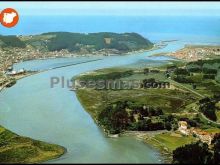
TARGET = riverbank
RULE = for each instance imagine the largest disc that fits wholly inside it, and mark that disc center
(94, 102)
(175, 102)
(148, 137)
(19, 149)
(12, 79)
(164, 141)
(30, 73)
(55, 123)
(66, 54)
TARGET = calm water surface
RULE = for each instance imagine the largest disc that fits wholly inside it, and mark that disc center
(31, 108)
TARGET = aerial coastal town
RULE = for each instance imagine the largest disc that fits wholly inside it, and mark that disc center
(119, 82)
(194, 53)
(8, 57)
(15, 49)
(190, 53)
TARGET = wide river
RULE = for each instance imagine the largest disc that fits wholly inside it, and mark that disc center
(32, 108)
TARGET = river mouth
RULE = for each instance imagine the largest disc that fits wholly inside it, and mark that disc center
(32, 108)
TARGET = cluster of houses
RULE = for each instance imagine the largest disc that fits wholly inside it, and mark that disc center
(196, 53)
(204, 136)
(15, 55)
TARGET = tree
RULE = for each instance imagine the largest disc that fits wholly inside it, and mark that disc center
(148, 83)
(216, 97)
(195, 70)
(204, 100)
(209, 71)
(194, 86)
(216, 148)
(114, 117)
(183, 79)
(195, 153)
(168, 126)
(208, 109)
(167, 75)
(146, 70)
(181, 71)
(209, 76)
(210, 113)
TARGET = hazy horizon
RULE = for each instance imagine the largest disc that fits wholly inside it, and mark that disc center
(115, 8)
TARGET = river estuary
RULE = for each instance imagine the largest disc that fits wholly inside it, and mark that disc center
(32, 108)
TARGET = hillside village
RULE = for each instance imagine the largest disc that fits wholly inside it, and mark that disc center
(8, 57)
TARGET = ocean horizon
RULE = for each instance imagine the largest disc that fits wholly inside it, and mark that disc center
(202, 29)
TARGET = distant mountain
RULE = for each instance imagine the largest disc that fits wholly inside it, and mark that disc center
(76, 42)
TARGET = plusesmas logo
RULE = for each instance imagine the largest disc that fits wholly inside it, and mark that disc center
(9, 17)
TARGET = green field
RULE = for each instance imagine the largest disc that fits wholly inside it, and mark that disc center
(171, 101)
(213, 130)
(170, 141)
(179, 100)
(218, 116)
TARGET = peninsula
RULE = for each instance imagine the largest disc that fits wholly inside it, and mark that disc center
(174, 119)
(19, 149)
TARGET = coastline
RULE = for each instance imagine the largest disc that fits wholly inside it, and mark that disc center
(60, 149)
(37, 72)
(193, 52)
(55, 157)
(20, 149)
(16, 79)
(97, 54)
(60, 67)
(137, 134)
(146, 137)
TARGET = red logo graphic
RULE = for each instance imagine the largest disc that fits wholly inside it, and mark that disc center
(9, 17)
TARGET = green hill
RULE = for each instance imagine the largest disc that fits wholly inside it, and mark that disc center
(97, 41)
(76, 42)
(18, 149)
(11, 41)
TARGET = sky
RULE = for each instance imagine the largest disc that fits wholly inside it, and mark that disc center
(115, 8)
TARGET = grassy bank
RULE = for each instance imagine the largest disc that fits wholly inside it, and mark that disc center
(167, 142)
(19, 149)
